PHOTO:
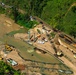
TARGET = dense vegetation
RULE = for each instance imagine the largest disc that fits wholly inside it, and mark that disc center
(7, 70)
(60, 14)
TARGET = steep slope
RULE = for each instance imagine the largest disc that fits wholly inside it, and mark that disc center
(59, 14)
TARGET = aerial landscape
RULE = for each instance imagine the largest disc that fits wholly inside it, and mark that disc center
(37, 37)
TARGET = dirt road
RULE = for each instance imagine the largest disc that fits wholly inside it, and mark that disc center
(68, 63)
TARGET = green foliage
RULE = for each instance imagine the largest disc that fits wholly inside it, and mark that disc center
(2, 10)
(28, 24)
(74, 9)
(39, 31)
(16, 73)
(57, 13)
(6, 69)
(69, 23)
(52, 34)
(15, 13)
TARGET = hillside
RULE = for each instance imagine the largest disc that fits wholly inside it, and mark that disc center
(57, 13)
(61, 15)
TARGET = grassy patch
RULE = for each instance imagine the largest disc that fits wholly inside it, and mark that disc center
(52, 34)
(22, 30)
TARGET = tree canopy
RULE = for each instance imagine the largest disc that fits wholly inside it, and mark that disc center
(7, 70)
(60, 14)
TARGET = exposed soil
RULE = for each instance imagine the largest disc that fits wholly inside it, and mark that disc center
(7, 25)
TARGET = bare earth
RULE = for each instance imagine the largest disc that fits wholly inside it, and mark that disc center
(7, 25)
